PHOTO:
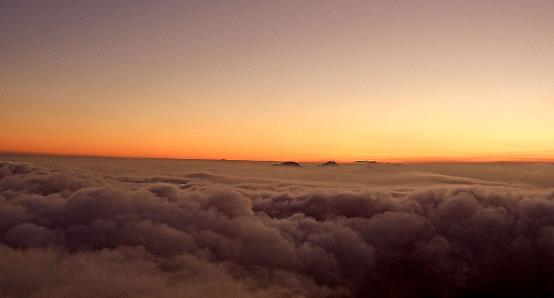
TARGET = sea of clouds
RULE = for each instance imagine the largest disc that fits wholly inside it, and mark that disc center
(88, 232)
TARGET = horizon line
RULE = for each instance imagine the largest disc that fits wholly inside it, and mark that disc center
(416, 160)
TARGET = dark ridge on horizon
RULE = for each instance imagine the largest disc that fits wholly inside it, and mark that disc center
(288, 164)
(329, 164)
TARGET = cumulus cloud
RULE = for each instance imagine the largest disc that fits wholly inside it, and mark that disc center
(69, 232)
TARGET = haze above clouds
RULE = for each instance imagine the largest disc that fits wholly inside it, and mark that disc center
(94, 227)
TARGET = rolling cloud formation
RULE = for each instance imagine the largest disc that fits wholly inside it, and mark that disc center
(75, 233)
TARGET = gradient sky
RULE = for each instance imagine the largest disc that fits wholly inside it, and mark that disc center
(304, 80)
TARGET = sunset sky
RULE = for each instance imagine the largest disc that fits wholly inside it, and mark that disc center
(279, 80)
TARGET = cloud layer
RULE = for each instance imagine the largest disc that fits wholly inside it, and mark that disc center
(77, 233)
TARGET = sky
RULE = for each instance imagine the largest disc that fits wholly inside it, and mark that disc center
(279, 80)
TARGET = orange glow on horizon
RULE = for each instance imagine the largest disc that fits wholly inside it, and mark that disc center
(123, 153)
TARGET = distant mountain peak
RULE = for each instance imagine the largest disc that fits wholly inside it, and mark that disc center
(288, 164)
(329, 164)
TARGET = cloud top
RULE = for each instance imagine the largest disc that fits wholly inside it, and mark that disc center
(77, 232)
